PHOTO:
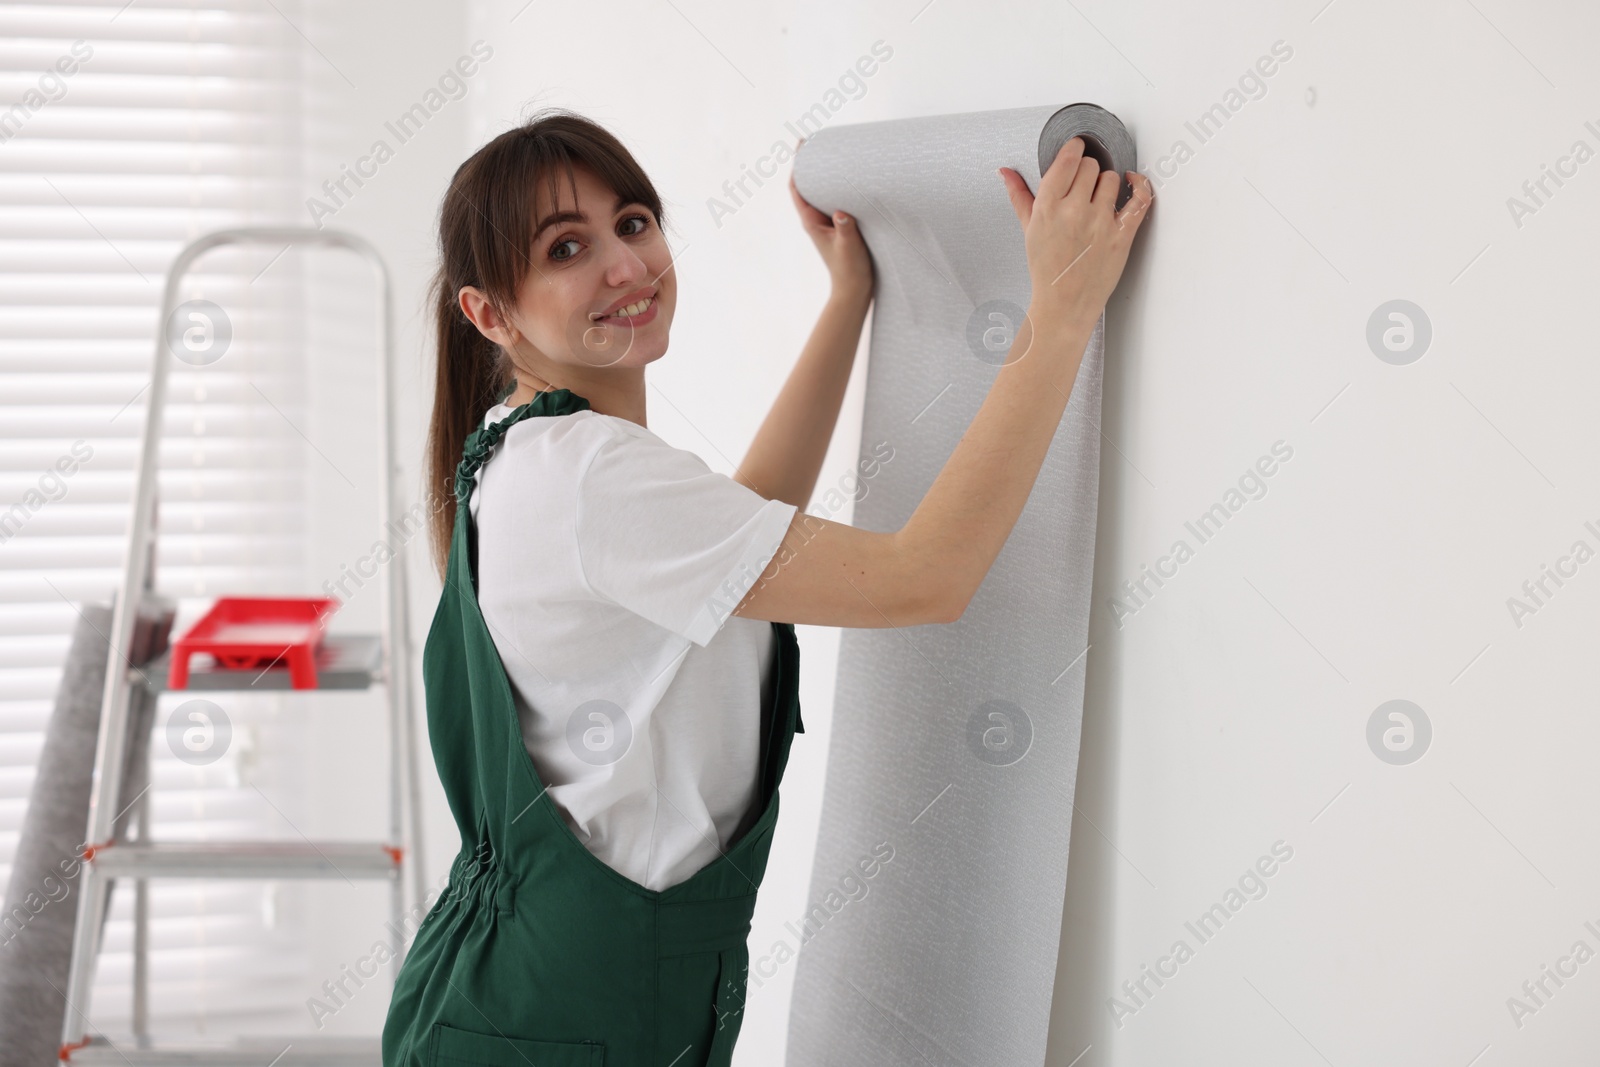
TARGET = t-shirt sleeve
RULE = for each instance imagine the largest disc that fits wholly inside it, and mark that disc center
(663, 535)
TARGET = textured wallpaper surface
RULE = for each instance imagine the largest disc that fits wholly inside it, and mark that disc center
(935, 900)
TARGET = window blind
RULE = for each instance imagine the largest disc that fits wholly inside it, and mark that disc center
(127, 129)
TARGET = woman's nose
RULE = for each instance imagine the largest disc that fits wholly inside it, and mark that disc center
(624, 265)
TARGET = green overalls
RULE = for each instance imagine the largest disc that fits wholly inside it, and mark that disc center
(538, 954)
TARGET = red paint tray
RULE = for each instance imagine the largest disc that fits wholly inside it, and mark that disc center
(254, 633)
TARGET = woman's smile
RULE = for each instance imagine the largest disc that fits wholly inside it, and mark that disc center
(636, 309)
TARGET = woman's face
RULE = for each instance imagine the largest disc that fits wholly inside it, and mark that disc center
(583, 275)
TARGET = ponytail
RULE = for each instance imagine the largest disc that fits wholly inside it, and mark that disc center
(471, 376)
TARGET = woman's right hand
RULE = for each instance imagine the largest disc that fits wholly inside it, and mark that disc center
(1077, 242)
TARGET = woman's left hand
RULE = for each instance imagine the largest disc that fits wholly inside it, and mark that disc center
(839, 241)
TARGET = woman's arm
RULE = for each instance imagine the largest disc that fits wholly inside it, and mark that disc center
(786, 455)
(831, 574)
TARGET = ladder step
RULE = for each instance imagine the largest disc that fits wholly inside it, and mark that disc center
(249, 859)
(344, 661)
(292, 1051)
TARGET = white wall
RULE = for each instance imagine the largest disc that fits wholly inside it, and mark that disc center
(1230, 711)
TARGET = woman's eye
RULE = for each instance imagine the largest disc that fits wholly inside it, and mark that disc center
(556, 248)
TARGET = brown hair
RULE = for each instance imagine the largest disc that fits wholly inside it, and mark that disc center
(486, 228)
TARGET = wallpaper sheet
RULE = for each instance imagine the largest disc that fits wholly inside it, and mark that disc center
(934, 910)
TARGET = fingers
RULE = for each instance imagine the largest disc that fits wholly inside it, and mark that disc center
(1021, 198)
(1138, 205)
(1083, 182)
(808, 213)
(1106, 188)
(1057, 178)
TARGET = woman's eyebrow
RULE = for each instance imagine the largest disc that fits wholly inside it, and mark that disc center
(575, 216)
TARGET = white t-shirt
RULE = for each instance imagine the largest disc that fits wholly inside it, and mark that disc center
(608, 562)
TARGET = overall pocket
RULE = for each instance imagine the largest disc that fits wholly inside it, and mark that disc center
(452, 1047)
(728, 1005)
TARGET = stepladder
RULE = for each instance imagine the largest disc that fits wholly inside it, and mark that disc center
(118, 845)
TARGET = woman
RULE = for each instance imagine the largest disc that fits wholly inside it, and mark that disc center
(611, 691)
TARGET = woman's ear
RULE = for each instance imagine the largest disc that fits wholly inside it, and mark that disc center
(478, 309)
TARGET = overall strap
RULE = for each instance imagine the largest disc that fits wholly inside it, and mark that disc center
(475, 452)
(481, 442)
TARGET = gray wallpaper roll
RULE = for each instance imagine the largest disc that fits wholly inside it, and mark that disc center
(934, 910)
(41, 904)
